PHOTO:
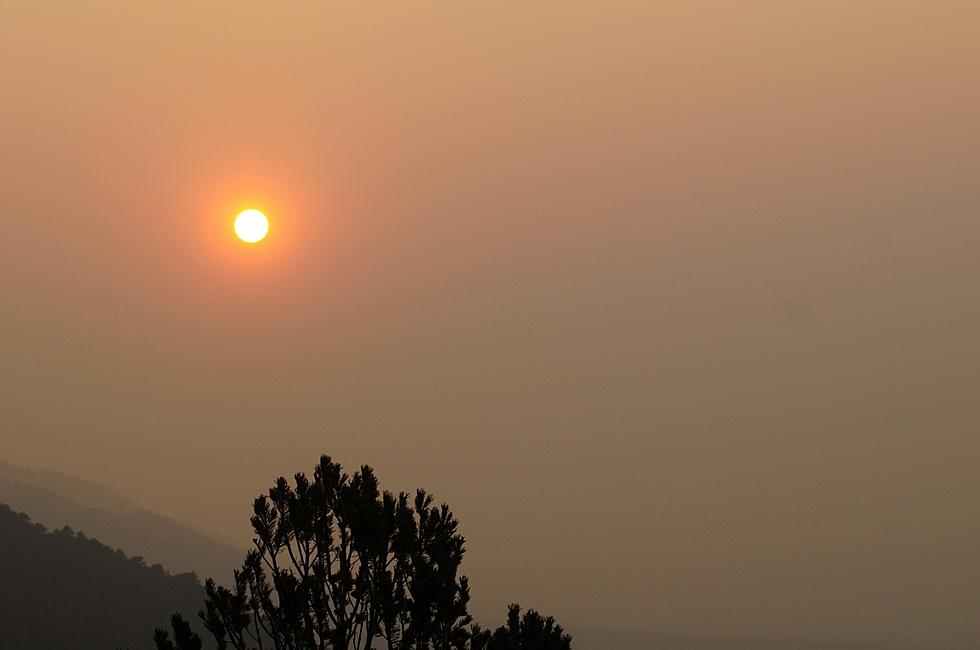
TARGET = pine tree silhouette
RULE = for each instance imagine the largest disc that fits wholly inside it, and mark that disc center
(530, 632)
(184, 637)
(337, 563)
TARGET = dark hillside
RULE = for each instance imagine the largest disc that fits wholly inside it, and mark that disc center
(156, 538)
(61, 590)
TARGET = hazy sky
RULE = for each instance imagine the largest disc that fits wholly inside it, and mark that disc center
(676, 304)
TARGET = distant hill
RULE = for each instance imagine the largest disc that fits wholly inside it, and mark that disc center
(77, 489)
(138, 532)
(61, 590)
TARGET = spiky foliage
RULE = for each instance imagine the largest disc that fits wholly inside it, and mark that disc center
(184, 637)
(530, 632)
(338, 563)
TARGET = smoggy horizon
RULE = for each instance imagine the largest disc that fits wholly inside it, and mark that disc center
(674, 303)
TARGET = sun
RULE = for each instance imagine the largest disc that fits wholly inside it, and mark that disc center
(251, 226)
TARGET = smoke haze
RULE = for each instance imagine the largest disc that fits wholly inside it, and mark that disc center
(675, 303)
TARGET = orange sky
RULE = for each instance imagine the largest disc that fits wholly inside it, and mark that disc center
(676, 303)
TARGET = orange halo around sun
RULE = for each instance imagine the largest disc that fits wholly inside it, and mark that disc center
(251, 226)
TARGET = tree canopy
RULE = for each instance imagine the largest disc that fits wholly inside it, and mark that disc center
(338, 563)
(523, 633)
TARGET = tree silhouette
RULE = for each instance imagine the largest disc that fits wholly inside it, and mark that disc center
(339, 564)
(530, 632)
(184, 637)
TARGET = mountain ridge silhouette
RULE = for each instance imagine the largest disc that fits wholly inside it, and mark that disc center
(78, 489)
(63, 589)
(180, 548)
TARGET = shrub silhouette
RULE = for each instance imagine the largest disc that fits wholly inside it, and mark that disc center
(531, 631)
(184, 637)
(340, 564)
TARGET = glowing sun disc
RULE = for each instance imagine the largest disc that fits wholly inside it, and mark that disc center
(251, 226)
